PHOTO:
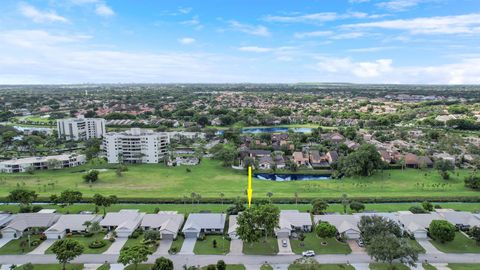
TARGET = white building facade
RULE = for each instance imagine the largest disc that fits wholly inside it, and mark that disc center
(135, 146)
(81, 128)
(42, 163)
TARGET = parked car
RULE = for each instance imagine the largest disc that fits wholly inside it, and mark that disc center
(360, 243)
(284, 243)
(308, 253)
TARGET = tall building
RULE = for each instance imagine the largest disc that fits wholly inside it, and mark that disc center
(81, 128)
(135, 146)
(42, 163)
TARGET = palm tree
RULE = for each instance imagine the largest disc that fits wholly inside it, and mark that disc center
(193, 195)
(296, 197)
(221, 197)
(87, 224)
(269, 195)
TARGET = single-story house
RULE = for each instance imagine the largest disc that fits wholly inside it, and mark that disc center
(346, 225)
(259, 153)
(299, 158)
(232, 226)
(27, 221)
(425, 161)
(204, 223)
(385, 156)
(293, 220)
(70, 224)
(124, 222)
(417, 224)
(265, 163)
(411, 160)
(462, 220)
(279, 161)
(168, 223)
(332, 156)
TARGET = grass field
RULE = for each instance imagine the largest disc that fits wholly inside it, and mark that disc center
(386, 266)
(205, 247)
(312, 242)
(324, 267)
(262, 247)
(427, 266)
(85, 241)
(464, 266)
(209, 179)
(461, 244)
(53, 267)
(20, 246)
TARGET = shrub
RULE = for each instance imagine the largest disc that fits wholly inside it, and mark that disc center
(134, 235)
(472, 182)
(325, 230)
(36, 208)
(442, 230)
(88, 234)
(173, 250)
(417, 210)
(35, 243)
(97, 244)
(25, 209)
(43, 237)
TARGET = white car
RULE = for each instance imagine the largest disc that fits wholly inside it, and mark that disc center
(308, 253)
(284, 243)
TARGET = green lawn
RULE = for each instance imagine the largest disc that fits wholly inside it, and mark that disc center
(230, 267)
(139, 241)
(386, 266)
(427, 266)
(140, 267)
(464, 266)
(266, 267)
(324, 267)
(53, 267)
(312, 242)
(177, 243)
(205, 247)
(262, 247)
(87, 240)
(461, 244)
(20, 246)
(210, 179)
(104, 267)
(416, 245)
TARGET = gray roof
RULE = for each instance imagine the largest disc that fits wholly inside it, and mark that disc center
(343, 223)
(196, 222)
(163, 221)
(72, 222)
(463, 218)
(23, 221)
(127, 219)
(417, 222)
(294, 218)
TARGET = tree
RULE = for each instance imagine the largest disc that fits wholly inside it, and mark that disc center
(442, 230)
(473, 182)
(103, 201)
(151, 235)
(475, 234)
(221, 265)
(66, 250)
(371, 226)
(69, 197)
(428, 206)
(443, 167)
(319, 206)
(345, 202)
(134, 255)
(91, 176)
(162, 263)
(388, 248)
(357, 206)
(22, 196)
(325, 230)
(93, 227)
(363, 162)
(269, 218)
(248, 229)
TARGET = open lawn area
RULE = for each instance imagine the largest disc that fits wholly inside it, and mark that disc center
(205, 247)
(325, 267)
(461, 244)
(464, 266)
(386, 266)
(319, 245)
(209, 179)
(416, 245)
(21, 245)
(53, 267)
(139, 241)
(262, 247)
(87, 240)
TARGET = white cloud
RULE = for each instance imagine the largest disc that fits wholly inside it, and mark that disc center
(186, 40)
(194, 22)
(358, 69)
(255, 49)
(185, 10)
(103, 10)
(369, 49)
(313, 34)
(399, 5)
(320, 17)
(38, 38)
(256, 30)
(40, 16)
(461, 24)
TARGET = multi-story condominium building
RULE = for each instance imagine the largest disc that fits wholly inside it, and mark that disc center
(81, 128)
(41, 163)
(135, 146)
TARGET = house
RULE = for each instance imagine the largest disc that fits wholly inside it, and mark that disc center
(425, 161)
(42, 163)
(299, 158)
(204, 223)
(259, 153)
(279, 161)
(417, 224)
(332, 156)
(334, 138)
(445, 156)
(352, 144)
(232, 227)
(385, 156)
(346, 225)
(462, 220)
(265, 163)
(27, 221)
(168, 223)
(73, 223)
(293, 220)
(411, 160)
(124, 222)
(315, 158)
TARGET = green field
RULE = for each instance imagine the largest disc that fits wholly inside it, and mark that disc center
(312, 242)
(85, 241)
(205, 247)
(209, 179)
(20, 245)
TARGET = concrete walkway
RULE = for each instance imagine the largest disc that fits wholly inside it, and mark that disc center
(117, 266)
(236, 247)
(116, 246)
(188, 246)
(91, 266)
(43, 247)
(361, 266)
(428, 246)
(4, 241)
(164, 247)
(441, 266)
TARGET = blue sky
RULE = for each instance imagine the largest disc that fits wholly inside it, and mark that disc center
(359, 41)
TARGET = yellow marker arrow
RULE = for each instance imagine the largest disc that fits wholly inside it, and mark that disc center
(249, 189)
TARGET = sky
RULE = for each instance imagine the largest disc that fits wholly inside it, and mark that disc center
(240, 41)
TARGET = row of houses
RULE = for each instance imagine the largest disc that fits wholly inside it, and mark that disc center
(42, 163)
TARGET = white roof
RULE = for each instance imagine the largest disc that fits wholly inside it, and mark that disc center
(463, 218)
(343, 223)
(127, 219)
(164, 221)
(417, 222)
(47, 211)
(294, 218)
(30, 160)
(23, 221)
(196, 222)
(5, 218)
(72, 222)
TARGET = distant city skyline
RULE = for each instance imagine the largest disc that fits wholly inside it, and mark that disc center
(352, 41)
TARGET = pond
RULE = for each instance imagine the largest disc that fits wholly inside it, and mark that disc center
(275, 130)
(291, 177)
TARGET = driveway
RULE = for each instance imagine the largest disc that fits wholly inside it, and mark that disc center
(354, 247)
(43, 247)
(188, 245)
(116, 246)
(441, 266)
(4, 241)
(428, 246)
(360, 266)
(236, 247)
(164, 247)
(417, 266)
(91, 266)
(284, 250)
